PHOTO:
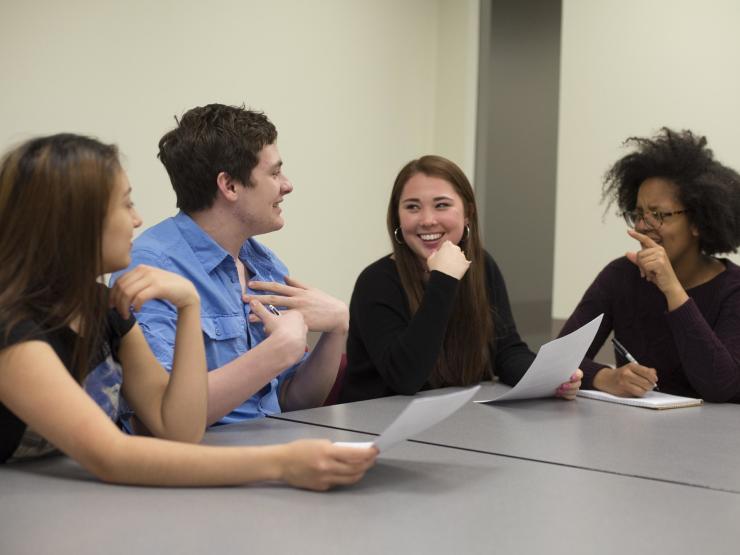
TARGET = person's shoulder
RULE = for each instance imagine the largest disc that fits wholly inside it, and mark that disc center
(620, 264)
(378, 280)
(731, 274)
(159, 238)
(24, 330)
(494, 275)
(157, 246)
(490, 262)
(618, 275)
(383, 267)
(378, 275)
(732, 269)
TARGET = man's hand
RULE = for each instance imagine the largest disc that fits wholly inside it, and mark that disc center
(320, 311)
(288, 329)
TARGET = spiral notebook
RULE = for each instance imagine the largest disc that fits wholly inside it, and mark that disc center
(651, 399)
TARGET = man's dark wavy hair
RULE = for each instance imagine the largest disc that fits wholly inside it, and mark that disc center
(209, 140)
(709, 190)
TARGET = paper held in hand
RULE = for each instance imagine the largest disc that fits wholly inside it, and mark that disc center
(555, 363)
(420, 414)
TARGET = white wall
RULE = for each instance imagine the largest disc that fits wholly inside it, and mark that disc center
(629, 67)
(355, 87)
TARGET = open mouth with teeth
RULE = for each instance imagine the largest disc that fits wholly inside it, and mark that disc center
(430, 237)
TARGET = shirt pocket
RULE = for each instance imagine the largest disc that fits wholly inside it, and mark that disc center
(225, 339)
(221, 328)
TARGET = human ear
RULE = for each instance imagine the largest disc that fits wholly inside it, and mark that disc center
(226, 185)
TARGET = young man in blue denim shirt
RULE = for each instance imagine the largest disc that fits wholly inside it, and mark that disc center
(226, 171)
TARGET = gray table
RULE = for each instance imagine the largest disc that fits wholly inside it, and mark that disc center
(417, 499)
(695, 446)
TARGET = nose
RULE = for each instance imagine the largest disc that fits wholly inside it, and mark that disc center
(286, 186)
(641, 224)
(136, 218)
(428, 218)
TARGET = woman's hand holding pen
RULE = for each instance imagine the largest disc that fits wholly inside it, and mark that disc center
(630, 380)
(657, 268)
(449, 259)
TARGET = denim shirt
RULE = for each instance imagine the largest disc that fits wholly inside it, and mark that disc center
(179, 245)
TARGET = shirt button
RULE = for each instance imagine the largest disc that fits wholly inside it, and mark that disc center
(218, 331)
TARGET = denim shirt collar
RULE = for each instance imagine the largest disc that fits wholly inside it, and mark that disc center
(206, 250)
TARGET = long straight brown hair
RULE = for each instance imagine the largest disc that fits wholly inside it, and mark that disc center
(54, 196)
(464, 358)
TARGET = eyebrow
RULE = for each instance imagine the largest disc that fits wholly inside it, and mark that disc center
(656, 208)
(277, 165)
(414, 199)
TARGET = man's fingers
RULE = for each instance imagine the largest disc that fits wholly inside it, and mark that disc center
(273, 286)
(277, 300)
(260, 310)
(295, 283)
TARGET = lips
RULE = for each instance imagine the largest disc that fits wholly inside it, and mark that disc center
(430, 237)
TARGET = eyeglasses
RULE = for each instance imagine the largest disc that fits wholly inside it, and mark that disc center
(653, 218)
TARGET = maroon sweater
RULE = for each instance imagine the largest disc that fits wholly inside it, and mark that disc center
(695, 348)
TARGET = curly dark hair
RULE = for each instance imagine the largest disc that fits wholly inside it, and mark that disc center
(209, 140)
(709, 190)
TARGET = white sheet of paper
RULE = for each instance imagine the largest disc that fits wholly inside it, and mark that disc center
(420, 414)
(555, 363)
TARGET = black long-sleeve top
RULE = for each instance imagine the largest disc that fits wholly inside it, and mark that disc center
(389, 352)
(695, 348)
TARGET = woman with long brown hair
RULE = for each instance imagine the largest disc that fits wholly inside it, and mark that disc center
(435, 312)
(70, 348)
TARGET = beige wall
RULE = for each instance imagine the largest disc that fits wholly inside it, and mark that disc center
(355, 87)
(629, 67)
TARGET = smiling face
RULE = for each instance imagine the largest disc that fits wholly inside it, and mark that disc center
(430, 212)
(118, 228)
(260, 202)
(676, 235)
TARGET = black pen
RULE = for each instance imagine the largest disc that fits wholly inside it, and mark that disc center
(626, 354)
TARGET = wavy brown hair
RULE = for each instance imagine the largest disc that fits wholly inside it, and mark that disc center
(209, 140)
(54, 196)
(465, 356)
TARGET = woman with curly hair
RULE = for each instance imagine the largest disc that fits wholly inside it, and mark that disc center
(673, 304)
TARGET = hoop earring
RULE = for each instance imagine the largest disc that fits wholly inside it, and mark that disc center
(395, 234)
(466, 234)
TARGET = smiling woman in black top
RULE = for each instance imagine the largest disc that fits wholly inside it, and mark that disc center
(434, 313)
